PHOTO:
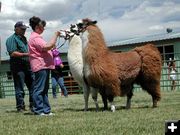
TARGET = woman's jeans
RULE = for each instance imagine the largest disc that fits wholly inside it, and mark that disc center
(40, 93)
(60, 81)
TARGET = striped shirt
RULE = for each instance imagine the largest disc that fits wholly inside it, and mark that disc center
(19, 44)
(39, 59)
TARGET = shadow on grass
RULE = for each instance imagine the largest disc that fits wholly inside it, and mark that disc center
(102, 109)
(82, 110)
(15, 111)
(133, 107)
(79, 110)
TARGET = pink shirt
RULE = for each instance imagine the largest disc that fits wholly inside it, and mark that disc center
(39, 59)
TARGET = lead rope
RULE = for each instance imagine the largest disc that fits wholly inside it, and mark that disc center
(59, 46)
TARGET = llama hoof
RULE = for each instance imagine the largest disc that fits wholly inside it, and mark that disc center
(154, 105)
(113, 108)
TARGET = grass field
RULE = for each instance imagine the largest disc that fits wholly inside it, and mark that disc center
(70, 119)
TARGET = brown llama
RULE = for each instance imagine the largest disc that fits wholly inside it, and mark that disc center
(114, 74)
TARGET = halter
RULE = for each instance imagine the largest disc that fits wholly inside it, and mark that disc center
(66, 37)
(75, 29)
(67, 34)
(82, 25)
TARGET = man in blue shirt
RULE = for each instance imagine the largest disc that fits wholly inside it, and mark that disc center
(17, 48)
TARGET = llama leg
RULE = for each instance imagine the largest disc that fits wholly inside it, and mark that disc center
(86, 91)
(154, 102)
(105, 102)
(128, 103)
(154, 91)
(94, 97)
(129, 95)
(111, 99)
(104, 98)
(156, 97)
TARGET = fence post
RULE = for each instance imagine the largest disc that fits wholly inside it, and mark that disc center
(2, 93)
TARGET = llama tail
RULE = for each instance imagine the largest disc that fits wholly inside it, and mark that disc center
(150, 74)
(150, 59)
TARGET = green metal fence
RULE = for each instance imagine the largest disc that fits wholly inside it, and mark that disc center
(7, 86)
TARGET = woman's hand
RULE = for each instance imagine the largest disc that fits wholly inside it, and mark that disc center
(57, 33)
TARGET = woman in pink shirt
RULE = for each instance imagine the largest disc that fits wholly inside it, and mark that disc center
(41, 61)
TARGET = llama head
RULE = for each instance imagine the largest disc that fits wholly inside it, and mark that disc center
(66, 34)
(84, 23)
(74, 29)
(63, 34)
(81, 25)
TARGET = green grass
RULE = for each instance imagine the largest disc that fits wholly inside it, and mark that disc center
(71, 120)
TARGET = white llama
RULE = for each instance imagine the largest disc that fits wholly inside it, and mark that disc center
(76, 67)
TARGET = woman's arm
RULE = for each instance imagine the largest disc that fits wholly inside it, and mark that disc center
(51, 44)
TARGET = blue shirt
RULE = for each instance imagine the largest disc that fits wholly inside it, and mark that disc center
(19, 44)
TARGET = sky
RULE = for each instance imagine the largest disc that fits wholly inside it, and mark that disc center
(117, 19)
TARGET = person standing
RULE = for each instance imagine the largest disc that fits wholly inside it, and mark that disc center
(17, 48)
(172, 73)
(57, 78)
(41, 61)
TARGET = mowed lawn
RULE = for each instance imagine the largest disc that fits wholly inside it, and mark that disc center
(70, 119)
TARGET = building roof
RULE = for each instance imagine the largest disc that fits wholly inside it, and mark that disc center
(148, 38)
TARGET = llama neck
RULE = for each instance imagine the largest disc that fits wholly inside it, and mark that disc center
(75, 50)
(93, 45)
(75, 44)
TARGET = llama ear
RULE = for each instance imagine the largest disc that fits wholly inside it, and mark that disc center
(91, 23)
(72, 26)
(94, 22)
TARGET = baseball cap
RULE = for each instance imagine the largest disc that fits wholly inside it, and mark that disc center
(21, 25)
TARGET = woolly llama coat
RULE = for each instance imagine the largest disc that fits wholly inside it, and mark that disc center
(116, 73)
